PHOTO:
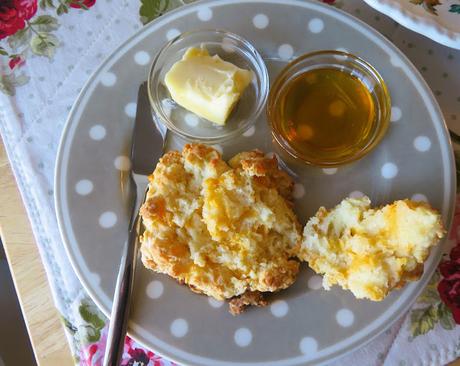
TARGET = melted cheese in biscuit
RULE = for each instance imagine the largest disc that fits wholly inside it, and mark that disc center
(221, 229)
(370, 251)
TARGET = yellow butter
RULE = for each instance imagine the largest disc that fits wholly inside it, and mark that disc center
(206, 85)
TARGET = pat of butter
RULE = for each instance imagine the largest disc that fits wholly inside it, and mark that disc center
(206, 85)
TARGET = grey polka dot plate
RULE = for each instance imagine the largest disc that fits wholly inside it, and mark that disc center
(304, 324)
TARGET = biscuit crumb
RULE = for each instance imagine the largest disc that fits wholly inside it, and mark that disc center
(238, 304)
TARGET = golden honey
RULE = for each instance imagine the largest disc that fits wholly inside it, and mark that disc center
(326, 114)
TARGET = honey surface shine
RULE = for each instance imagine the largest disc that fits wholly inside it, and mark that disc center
(326, 113)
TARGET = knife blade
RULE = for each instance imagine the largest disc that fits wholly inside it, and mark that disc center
(148, 142)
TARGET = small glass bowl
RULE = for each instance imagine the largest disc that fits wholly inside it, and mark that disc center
(344, 62)
(229, 47)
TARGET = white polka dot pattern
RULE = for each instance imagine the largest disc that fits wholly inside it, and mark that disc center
(155, 289)
(315, 282)
(172, 33)
(191, 119)
(308, 345)
(260, 21)
(204, 14)
(84, 187)
(108, 79)
(285, 51)
(389, 170)
(243, 337)
(356, 194)
(97, 132)
(179, 328)
(279, 308)
(215, 303)
(228, 45)
(142, 58)
(298, 191)
(122, 163)
(345, 318)
(250, 132)
(419, 197)
(316, 25)
(130, 110)
(108, 219)
(329, 171)
(422, 143)
(396, 114)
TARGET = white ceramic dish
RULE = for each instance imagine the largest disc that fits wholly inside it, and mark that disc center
(438, 20)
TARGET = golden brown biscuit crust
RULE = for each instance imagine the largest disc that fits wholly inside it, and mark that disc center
(221, 229)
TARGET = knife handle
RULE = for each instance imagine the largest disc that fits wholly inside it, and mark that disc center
(121, 301)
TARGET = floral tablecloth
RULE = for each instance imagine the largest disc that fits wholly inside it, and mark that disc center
(48, 48)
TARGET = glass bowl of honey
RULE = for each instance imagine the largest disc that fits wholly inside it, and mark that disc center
(328, 108)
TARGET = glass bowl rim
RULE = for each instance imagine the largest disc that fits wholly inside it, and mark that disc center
(261, 71)
(285, 75)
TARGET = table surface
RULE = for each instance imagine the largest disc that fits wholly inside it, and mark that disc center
(41, 317)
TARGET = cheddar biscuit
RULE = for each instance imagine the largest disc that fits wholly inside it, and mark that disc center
(221, 229)
(370, 251)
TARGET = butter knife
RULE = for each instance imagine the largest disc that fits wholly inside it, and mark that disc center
(146, 148)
